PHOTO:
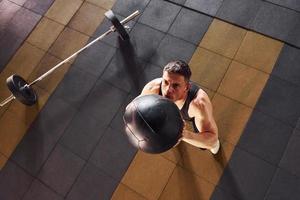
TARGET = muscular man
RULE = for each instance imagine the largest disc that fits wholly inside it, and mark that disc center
(193, 102)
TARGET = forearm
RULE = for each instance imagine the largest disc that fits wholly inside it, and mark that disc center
(203, 140)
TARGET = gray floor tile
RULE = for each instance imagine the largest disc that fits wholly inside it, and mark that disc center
(219, 194)
(290, 159)
(293, 36)
(246, 176)
(14, 182)
(292, 4)
(75, 86)
(92, 184)
(181, 2)
(38, 191)
(103, 102)
(190, 26)
(172, 48)
(126, 7)
(113, 153)
(82, 135)
(9, 44)
(160, 15)
(284, 186)
(274, 21)
(145, 40)
(8, 10)
(61, 170)
(125, 71)
(240, 12)
(265, 137)
(19, 2)
(112, 39)
(38, 6)
(287, 65)
(23, 22)
(281, 100)
(209, 7)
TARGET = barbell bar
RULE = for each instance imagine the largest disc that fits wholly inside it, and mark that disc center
(22, 90)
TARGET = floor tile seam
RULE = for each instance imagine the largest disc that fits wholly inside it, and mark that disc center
(273, 75)
(270, 185)
(129, 188)
(283, 6)
(30, 9)
(227, 192)
(165, 186)
(94, 4)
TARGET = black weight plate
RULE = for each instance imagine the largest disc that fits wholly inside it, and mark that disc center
(118, 26)
(25, 95)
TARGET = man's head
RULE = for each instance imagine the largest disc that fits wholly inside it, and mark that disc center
(176, 77)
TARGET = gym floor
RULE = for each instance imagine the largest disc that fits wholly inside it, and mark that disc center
(71, 144)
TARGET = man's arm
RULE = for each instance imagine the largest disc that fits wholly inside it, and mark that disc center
(205, 123)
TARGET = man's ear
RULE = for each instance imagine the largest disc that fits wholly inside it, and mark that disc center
(188, 86)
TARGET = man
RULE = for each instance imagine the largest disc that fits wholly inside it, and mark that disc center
(193, 102)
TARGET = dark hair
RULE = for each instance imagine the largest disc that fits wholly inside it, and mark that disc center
(179, 67)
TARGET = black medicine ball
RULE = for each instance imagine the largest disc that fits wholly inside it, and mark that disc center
(153, 123)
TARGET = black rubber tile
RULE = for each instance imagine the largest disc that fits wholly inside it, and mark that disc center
(219, 194)
(8, 10)
(93, 184)
(103, 102)
(292, 4)
(95, 59)
(38, 6)
(180, 2)
(145, 40)
(274, 21)
(293, 36)
(75, 86)
(23, 22)
(284, 186)
(160, 15)
(190, 26)
(113, 153)
(82, 135)
(281, 100)
(208, 7)
(14, 182)
(125, 71)
(61, 169)
(287, 65)
(40, 191)
(240, 12)
(127, 7)
(44, 133)
(9, 44)
(291, 160)
(112, 39)
(172, 48)
(19, 2)
(246, 176)
(265, 137)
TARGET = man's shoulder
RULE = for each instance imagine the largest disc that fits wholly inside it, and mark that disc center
(152, 87)
(201, 100)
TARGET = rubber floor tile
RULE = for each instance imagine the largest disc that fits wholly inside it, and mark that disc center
(82, 135)
(287, 66)
(208, 68)
(45, 33)
(124, 192)
(293, 36)
(196, 24)
(240, 12)
(207, 7)
(87, 18)
(223, 38)
(220, 194)
(172, 48)
(61, 169)
(113, 153)
(8, 10)
(159, 15)
(106, 4)
(92, 184)
(292, 4)
(40, 191)
(37, 6)
(262, 134)
(183, 185)
(62, 11)
(274, 21)
(246, 176)
(284, 186)
(281, 100)
(127, 7)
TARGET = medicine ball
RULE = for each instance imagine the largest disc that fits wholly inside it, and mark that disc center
(153, 123)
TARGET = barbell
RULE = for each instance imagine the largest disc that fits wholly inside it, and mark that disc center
(23, 91)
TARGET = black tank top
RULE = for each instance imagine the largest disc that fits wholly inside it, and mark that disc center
(192, 93)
